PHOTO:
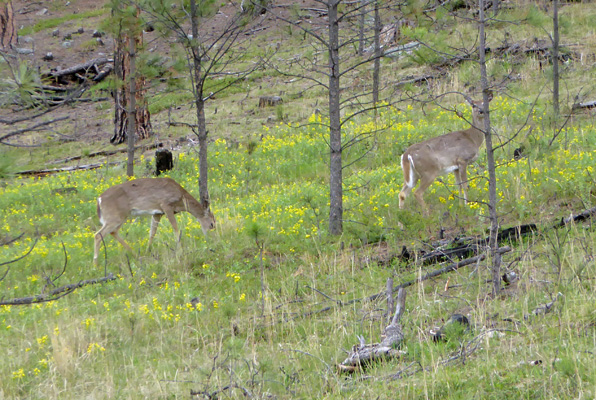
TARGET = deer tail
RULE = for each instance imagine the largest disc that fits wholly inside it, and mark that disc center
(407, 164)
(99, 210)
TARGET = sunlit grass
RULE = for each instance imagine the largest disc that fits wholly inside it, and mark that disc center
(50, 23)
(177, 298)
(188, 317)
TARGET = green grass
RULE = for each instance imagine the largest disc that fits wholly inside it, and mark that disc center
(145, 326)
(189, 318)
(54, 22)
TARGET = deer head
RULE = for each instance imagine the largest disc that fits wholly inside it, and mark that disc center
(452, 152)
(148, 196)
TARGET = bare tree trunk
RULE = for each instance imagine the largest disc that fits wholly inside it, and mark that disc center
(490, 158)
(556, 59)
(377, 62)
(199, 79)
(143, 128)
(335, 147)
(361, 27)
(130, 171)
(496, 4)
(8, 32)
(117, 92)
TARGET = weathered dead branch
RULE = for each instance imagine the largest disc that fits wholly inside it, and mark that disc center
(585, 105)
(543, 308)
(106, 153)
(91, 65)
(57, 293)
(391, 339)
(32, 128)
(42, 172)
(18, 258)
(584, 215)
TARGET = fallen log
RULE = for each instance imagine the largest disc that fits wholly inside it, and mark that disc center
(449, 268)
(57, 293)
(106, 153)
(469, 249)
(96, 62)
(417, 79)
(43, 172)
(584, 215)
(457, 248)
(587, 104)
(32, 128)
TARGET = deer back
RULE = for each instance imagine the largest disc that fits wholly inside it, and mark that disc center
(143, 196)
(443, 153)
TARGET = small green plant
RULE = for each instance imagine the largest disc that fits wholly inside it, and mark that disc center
(7, 165)
(54, 22)
(89, 45)
(279, 112)
(22, 87)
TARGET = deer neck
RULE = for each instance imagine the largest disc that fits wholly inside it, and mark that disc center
(191, 205)
(475, 132)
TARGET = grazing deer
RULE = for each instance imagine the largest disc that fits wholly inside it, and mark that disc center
(147, 196)
(451, 152)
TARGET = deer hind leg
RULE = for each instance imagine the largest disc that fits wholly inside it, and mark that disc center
(425, 182)
(410, 181)
(405, 192)
(154, 223)
(100, 237)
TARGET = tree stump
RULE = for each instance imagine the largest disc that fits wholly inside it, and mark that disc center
(269, 101)
(163, 161)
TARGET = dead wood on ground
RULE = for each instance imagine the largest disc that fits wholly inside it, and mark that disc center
(57, 293)
(391, 339)
(106, 153)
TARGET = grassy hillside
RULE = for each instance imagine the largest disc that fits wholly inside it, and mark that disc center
(196, 318)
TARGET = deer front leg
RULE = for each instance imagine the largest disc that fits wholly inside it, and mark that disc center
(172, 218)
(154, 223)
(461, 178)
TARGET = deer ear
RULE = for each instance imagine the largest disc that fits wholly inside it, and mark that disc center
(205, 203)
(490, 95)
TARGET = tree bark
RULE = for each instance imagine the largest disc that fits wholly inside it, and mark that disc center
(490, 158)
(131, 106)
(143, 128)
(556, 59)
(8, 31)
(377, 61)
(335, 147)
(361, 24)
(199, 80)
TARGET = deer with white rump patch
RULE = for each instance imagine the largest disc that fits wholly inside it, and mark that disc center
(148, 196)
(452, 152)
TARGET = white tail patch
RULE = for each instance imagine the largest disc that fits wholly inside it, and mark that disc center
(412, 177)
(99, 209)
